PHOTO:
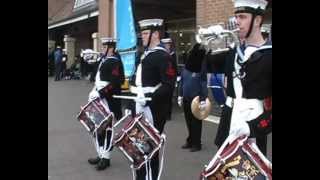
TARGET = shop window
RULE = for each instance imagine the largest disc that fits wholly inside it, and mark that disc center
(81, 3)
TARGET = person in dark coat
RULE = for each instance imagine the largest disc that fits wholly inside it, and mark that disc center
(193, 83)
(58, 63)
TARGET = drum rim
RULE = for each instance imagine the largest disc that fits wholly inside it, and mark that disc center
(95, 103)
(245, 147)
(225, 155)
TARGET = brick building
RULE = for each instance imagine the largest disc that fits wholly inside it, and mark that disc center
(213, 11)
(78, 24)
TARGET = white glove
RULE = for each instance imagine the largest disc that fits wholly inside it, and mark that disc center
(216, 29)
(127, 111)
(141, 99)
(240, 129)
(101, 84)
(180, 98)
(93, 95)
(202, 105)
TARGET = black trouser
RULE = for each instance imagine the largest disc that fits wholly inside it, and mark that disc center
(224, 126)
(115, 107)
(141, 173)
(94, 71)
(51, 67)
(83, 69)
(102, 136)
(169, 106)
(57, 71)
(159, 119)
(63, 69)
(194, 125)
(262, 144)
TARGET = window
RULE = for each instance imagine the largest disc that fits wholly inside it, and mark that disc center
(81, 3)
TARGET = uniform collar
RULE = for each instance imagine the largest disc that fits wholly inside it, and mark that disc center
(156, 48)
(243, 47)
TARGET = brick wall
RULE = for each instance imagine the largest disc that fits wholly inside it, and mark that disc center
(213, 11)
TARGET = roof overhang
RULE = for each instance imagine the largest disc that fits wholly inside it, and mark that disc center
(73, 20)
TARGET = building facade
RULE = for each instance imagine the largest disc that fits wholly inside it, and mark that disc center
(79, 24)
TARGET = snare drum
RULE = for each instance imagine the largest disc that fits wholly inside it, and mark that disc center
(95, 115)
(240, 159)
(137, 139)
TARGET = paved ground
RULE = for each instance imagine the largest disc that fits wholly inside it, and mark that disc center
(69, 145)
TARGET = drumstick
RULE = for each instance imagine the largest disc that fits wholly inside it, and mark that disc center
(131, 97)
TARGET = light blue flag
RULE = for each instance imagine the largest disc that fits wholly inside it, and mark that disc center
(126, 35)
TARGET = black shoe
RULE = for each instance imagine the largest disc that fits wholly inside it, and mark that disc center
(186, 146)
(103, 164)
(195, 148)
(94, 160)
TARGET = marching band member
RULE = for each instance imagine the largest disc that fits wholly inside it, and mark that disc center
(248, 106)
(154, 77)
(168, 44)
(108, 80)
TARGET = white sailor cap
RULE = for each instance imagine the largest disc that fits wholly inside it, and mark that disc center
(150, 24)
(166, 40)
(108, 40)
(58, 47)
(250, 6)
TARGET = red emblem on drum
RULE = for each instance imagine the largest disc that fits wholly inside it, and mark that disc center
(171, 71)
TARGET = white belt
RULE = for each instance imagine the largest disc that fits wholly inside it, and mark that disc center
(230, 102)
(149, 89)
(245, 110)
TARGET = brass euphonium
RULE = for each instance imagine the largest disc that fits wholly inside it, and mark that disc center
(216, 39)
(90, 56)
